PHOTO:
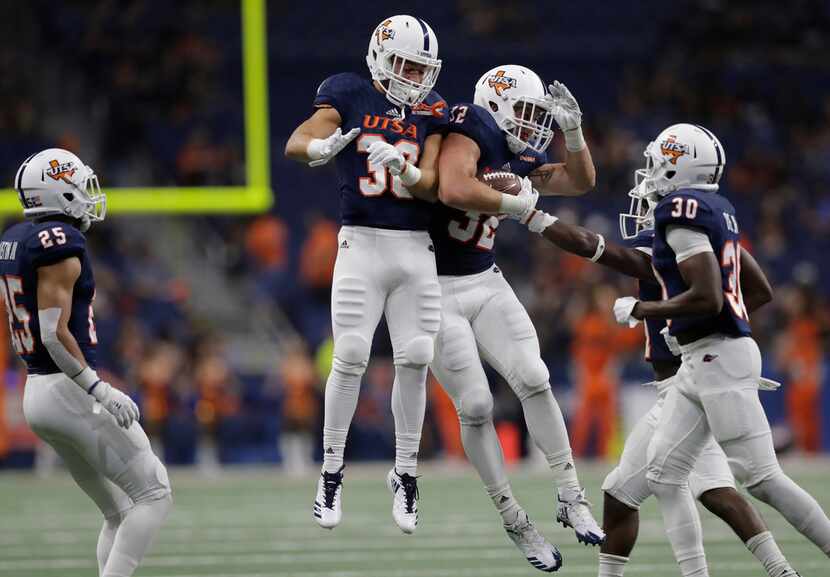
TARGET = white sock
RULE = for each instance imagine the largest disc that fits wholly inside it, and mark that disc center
(797, 506)
(683, 529)
(547, 428)
(342, 389)
(134, 536)
(105, 540)
(504, 501)
(409, 400)
(766, 550)
(611, 565)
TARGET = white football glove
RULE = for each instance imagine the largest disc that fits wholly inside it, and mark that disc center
(539, 220)
(321, 150)
(671, 342)
(622, 311)
(567, 114)
(384, 154)
(116, 402)
(765, 384)
(525, 202)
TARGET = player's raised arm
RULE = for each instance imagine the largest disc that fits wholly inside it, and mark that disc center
(577, 175)
(55, 284)
(755, 286)
(319, 139)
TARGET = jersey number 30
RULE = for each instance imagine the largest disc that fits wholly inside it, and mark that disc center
(379, 179)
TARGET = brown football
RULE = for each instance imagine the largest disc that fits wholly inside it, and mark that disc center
(503, 181)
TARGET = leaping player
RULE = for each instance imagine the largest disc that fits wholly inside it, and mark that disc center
(47, 284)
(384, 135)
(507, 127)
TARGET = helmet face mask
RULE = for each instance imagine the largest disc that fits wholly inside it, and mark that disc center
(517, 99)
(403, 58)
(55, 182)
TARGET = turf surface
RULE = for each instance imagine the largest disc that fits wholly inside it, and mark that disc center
(258, 523)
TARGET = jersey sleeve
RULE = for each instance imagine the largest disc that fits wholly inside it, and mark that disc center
(337, 91)
(53, 243)
(683, 210)
(440, 114)
(467, 119)
(643, 241)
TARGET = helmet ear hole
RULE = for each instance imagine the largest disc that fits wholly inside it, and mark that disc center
(493, 106)
(670, 174)
(69, 196)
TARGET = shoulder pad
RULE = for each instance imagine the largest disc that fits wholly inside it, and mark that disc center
(685, 208)
(54, 241)
(336, 90)
(473, 122)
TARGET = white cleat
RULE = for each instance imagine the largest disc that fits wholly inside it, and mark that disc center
(576, 514)
(537, 550)
(405, 501)
(326, 509)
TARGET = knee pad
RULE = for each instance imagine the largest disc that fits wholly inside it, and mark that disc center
(351, 352)
(146, 479)
(475, 407)
(419, 351)
(531, 377)
(457, 348)
(630, 492)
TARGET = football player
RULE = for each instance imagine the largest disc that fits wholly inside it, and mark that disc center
(507, 127)
(48, 289)
(385, 132)
(711, 480)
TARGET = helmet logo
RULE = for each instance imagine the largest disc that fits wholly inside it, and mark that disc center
(673, 149)
(60, 170)
(384, 32)
(499, 82)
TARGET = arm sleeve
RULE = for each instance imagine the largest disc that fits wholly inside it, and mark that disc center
(686, 241)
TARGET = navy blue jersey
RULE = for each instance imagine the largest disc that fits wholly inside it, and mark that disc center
(656, 348)
(370, 195)
(23, 248)
(712, 214)
(464, 240)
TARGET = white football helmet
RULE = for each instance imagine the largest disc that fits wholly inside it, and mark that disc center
(56, 182)
(395, 42)
(682, 156)
(518, 101)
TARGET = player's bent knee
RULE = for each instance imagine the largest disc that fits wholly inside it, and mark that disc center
(352, 349)
(615, 486)
(534, 378)
(753, 460)
(475, 407)
(420, 350)
(149, 482)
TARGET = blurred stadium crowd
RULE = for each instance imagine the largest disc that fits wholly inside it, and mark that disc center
(148, 97)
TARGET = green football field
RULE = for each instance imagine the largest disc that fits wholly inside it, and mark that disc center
(258, 523)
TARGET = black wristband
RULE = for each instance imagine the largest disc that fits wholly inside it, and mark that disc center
(95, 384)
